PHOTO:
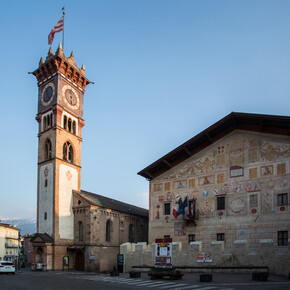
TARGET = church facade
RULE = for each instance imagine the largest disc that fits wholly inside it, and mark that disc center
(235, 176)
(60, 118)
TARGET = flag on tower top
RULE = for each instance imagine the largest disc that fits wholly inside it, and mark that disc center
(57, 28)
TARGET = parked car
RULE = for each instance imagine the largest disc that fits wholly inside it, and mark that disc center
(7, 267)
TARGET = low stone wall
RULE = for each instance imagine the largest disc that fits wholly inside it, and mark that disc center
(276, 259)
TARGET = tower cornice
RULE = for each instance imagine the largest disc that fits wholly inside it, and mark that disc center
(58, 63)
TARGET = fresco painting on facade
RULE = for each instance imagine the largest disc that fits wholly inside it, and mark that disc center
(266, 170)
(281, 168)
(206, 207)
(253, 173)
(179, 229)
(157, 212)
(167, 186)
(220, 178)
(191, 183)
(180, 184)
(267, 202)
(236, 155)
(206, 180)
(237, 205)
(242, 235)
(236, 171)
(158, 187)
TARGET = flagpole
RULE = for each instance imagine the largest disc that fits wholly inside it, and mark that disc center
(63, 12)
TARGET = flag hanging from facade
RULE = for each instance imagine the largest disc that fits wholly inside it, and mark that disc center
(191, 209)
(182, 207)
(176, 208)
(57, 28)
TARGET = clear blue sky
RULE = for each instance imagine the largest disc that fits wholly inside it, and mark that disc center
(163, 71)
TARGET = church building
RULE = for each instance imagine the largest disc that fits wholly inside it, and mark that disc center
(81, 229)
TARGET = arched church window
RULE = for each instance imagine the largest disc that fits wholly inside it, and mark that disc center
(68, 153)
(48, 121)
(108, 230)
(74, 127)
(69, 125)
(44, 123)
(81, 230)
(51, 118)
(64, 122)
(48, 149)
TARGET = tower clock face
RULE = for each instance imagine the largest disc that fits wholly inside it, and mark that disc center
(70, 97)
(47, 94)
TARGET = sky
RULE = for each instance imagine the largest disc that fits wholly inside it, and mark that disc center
(163, 71)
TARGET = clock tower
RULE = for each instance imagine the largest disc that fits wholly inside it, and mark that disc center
(60, 117)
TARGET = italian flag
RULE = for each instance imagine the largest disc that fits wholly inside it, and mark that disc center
(176, 208)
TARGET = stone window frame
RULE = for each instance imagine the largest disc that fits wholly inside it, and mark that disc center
(69, 124)
(220, 236)
(68, 152)
(48, 150)
(282, 238)
(282, 199)
(253, 200)
(221, 202)
(167, 208)
(191, 238)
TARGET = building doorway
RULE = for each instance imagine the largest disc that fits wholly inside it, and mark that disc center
(39, 255)
(80, 261)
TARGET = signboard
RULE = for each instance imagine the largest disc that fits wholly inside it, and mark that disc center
(204, 257)
(65, 260)
(163, 253)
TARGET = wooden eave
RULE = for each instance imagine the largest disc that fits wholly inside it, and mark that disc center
(271, 124)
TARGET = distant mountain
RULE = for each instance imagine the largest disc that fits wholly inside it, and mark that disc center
(26, 226)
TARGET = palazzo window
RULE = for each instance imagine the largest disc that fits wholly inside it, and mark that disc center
(253, 200)
(48, 150)
(221, 203)
(220, 237)
(282, 199)
(68, 153)
(283, 238)
(166, 208)
(191, 238)
(108, 231)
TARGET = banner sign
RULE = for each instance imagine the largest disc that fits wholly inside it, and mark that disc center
(204, 257)
(163, 253)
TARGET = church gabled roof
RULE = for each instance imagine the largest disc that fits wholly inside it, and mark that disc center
(234, 121)
(41, 237)
(113, 204)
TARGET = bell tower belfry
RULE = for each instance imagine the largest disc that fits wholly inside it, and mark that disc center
(60, 117)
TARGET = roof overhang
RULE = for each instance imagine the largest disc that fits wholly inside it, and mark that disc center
(270, 124)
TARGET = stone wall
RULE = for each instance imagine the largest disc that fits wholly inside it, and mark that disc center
(278, 260)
